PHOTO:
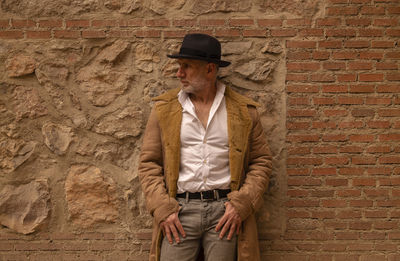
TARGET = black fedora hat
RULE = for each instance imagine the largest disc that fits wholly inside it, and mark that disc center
(201, 47)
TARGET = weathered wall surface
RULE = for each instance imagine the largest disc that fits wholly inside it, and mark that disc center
(76, 82)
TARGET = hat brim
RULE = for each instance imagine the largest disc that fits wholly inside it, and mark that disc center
(221, 63)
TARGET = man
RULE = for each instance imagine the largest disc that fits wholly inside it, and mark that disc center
(204, 164)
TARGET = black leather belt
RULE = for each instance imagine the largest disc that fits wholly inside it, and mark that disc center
(209, 194)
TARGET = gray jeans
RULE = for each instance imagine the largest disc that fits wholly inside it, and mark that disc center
(199, 219)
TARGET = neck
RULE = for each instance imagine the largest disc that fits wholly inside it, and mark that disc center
(206, 94)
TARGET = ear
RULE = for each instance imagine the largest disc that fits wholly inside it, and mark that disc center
(210, 67)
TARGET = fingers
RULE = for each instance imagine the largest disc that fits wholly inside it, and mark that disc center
(172, 227)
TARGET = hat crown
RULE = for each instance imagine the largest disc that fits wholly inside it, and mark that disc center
(204, 45)
(200, 47)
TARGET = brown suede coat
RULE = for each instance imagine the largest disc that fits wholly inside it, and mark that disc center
(249, 162)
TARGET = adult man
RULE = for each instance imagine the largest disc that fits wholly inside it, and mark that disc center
(204, 164)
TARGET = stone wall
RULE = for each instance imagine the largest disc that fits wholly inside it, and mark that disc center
(76, 82)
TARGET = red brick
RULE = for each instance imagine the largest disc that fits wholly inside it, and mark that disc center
(386, 66)
(344, 55)
(323, 100)
(388, 88)
(328, 22)
(301, 44)
(347, 236)
(51, 23)
(351, 125)
(335, 113)
(15, 23)
(350, 77)
(157, 22)
(212, 22)
(254, 33)
(38, 34)
(302, 203)
(269, 22)
(360, 225)
(394, 9)
(379, 149)
(297, 77)
(325, 77)
(393, 77)
(93, 34)
(148, 33)
(77, 23)
(358, 21)
(379, 171)
(371, 77)
(330, 44)
(349, 193)
(373, 235)
(361, 88)
(311, 32)
(227, 33)
(340, 32)
(323, 214)
(299, 151)
(304, 161)
(379, 124)
(389, 112)
(393, 32)
(389, 137)
(373, 10)
(67, 34)
(299, 55)
(336, 160)
(310, 66)
(376, 213)
(363, 112)
(371, 55)
(333, 203)
(241, 22)
(325, 150)
(121, 33)
(352, 149)
(11, 34)
(389, 160)
(184, 22)
(382, 44)
(340, 11)
(385, 22)
(298, 172)
(365, 160)
(334, 66)
(283, 32)
(362, 138)
(370, 32)
(4, 23)
(350, 100)
(336, 182)
(323, 125)
(104, 23)
(323, 171)
(298, 100)
(357, 44)
(321, 55)
(174, 34)
(361, 203)
(349, 214)
(135, 22)
(360, 66)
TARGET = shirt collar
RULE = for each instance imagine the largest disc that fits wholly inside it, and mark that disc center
(183, 97)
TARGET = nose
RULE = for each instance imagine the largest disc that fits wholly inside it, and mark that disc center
(180, 73)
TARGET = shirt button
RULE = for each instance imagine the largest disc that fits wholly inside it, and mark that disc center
(204, 161)
(205, 141)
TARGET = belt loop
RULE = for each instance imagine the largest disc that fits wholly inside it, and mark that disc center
(216, 194)
(187, 197)
(201, 196)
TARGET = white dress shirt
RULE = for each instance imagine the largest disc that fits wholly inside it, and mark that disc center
(204, 151)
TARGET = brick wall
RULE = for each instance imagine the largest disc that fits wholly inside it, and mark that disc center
(342, 195)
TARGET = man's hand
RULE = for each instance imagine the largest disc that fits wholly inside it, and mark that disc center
(171, 226)
(230, 221)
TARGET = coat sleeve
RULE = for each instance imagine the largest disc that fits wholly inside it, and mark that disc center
(249, 197)
(151, 173)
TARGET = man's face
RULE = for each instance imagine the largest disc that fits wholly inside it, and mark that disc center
(192, 74)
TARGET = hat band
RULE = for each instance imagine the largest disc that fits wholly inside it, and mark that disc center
(194, 52)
